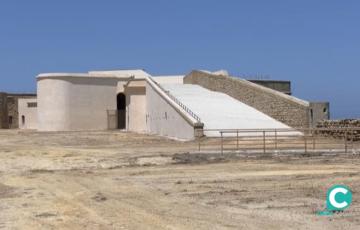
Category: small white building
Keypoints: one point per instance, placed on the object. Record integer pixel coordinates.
(28, 116)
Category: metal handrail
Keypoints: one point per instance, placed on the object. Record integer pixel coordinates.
(184, 107)
(309, 139)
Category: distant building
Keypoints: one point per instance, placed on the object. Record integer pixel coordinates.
(9, 109)
(281, 86)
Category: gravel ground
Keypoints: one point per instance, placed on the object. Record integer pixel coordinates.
(117, 180)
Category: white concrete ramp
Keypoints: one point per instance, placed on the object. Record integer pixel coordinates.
(220, 111)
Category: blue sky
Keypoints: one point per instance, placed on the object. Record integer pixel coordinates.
(315, 44)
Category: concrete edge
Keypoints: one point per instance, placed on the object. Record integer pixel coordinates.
(192, 121)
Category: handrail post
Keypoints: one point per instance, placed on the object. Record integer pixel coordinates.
(346, 144)
(275, 140)
(313, 139)
(264, 142)
(199, 144)
(352, 139)
(222, 144)
(237, 139)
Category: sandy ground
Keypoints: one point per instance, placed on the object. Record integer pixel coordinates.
(115, 180)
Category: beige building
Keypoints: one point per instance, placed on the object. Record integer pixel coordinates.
(133, 100)
(27, 108)
(102, 100)
(9, 109)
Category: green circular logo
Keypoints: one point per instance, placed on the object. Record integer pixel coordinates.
(339, 197)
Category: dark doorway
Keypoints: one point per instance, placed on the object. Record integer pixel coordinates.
(121, 110)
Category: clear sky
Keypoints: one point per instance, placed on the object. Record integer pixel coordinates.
(313, 43)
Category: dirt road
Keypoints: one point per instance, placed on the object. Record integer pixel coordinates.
(115, 180)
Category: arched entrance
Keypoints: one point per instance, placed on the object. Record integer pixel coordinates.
(121, 110)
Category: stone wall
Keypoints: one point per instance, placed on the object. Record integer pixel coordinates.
(12, 108)
(3, 111)
(284, 108)
(339, 128)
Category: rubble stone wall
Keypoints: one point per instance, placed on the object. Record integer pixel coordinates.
(3, 111)
(339, 128)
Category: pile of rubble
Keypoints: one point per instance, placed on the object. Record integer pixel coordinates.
(349, 128)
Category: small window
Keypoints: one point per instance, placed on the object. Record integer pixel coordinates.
(32, 105)
(10, 120)
(325, 110)
(23, 120)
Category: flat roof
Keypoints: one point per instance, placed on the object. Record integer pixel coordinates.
(137, 73)
(19, 94)
(71, 75)
(122, 74)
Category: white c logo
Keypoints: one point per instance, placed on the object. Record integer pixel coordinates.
(333, 200)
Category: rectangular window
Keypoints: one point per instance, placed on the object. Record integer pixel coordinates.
(32, 105)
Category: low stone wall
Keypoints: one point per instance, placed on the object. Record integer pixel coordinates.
(339, 128)
(284, 108)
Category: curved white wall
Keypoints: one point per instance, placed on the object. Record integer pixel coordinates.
(53, 104)
(75, 103)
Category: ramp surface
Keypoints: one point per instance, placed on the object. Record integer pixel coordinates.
(220, 111)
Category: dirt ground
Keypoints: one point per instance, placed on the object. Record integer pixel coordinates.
(117, 180)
